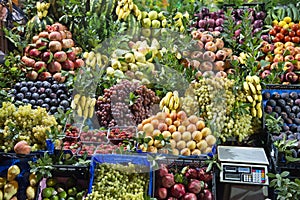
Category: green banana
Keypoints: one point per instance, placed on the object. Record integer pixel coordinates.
(279, 13)
(274, 15)
(295, 14)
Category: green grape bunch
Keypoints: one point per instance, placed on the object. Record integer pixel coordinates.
(24, 123)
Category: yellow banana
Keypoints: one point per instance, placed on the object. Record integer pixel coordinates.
(256, 79)
(118, 10)
(252, 88)
(259, 97)
(120, 14)
(76, 98)
(171, 103)
(253, 112)
(86, 113)
(47, 5)
(166, 110)
(175, 93)
(249, 98)
(82, 102)
(253, 104)
(256, 97)
(45, 13)
(249, 79)
(99, 59)
(162, 103)
(168, 97)
(38, 6)
(259, 113)
(73, 105)
(43, 4)
(258, 106)
(176, 104)
(258, 87)
(131, 6)
(40, 14)
(246, 86)
(91, 112)
(79, 111)
(125, 7)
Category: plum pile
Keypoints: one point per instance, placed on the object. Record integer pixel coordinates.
(187, 183)
(48, 94)
(213, 21)
(286, 105)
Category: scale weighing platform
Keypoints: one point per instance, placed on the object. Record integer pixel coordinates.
(243, 165)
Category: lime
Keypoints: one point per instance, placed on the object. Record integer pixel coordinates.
(55, 197)
(72, 191)
(62, 194)
(51, 182)
(47, 192)
(71, 198)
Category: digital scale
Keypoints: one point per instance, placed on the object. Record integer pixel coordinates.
(246, 165)
(243, 172)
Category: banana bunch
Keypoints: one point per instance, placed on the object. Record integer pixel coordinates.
(179, 21)
(125, 7)
(170, 102)
(93, 59)
(253, 89)
(42, 9)
(83, 105)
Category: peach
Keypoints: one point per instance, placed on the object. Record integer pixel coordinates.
(181, 128)
(209, 56)
(176, 136)
(211, 140)
(186, 136)
(196, 152)
(185, 152)
(202, 145)
(191, 128)
(200, 125)
(168, 121)
(197, 136)
(191, 145)
(181, 144)
(156, 132)
(172, 128)
(162, 127)
(175, 152)
(173, 143)
(166, 134)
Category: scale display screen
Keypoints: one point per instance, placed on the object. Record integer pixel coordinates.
(243, 173)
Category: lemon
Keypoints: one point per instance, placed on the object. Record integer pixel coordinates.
(62, 194)
(291, 24)
(275, 22)
(55, 197)
(281, 23)
(51, 182)
(286, 26)
(287, 19)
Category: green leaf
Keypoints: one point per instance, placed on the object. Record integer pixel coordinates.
(284, 174)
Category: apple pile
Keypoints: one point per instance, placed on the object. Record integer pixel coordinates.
(189, 183)
(122, 132)
(208, 53)
(51, 52)
(285, 53)
(71, 139)
(188, 135)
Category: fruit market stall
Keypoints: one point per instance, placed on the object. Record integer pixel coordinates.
(130, 99)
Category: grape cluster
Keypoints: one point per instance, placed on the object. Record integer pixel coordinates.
(47, 94)
(125, 104)
(221, 106)
(116, 181)
(24, 123)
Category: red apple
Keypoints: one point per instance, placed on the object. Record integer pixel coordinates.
(59, 78)
(274, 65)
(289, 44)
(196, 34)
(200, 45)
(32, 75)
(278, 50)
(228, 51)
(71, 56)
(197, 55)
(209, 56)
(291, 50)
(206, 66)
(220, 43)
(29, 62)
(44, 34)
(221, 74)
(195, 64)
(35, 38)
(210, 46)
(40, 65)
(278, 58)
(47, 57)
(269, 58)
(221, 55)
(60, 56)
(67, 65)
(44, 75)
(26, 50)
(297, 50)
(265, 73)
(79, 63)
(267, 48)
(54, 67)
(39, 43)
(297, 57)
(279, 44)
(289, 58)
(34, 53)
(288, 67)
(219, 66)
(207, 38)
(297, 65)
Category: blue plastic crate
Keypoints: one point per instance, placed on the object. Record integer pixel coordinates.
(119, 159)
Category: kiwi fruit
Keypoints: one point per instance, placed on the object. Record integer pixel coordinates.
(275, 95)
(266, 95)
(284, 95)
(277, 109)
(292, 116)
(289, 102)
(297, 102)
(271, 102)
(269, 109)
(284, 115)
(297, 121)
(288, 109)
(281, 102)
